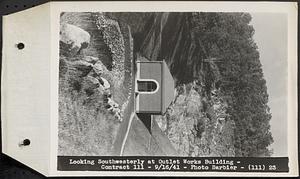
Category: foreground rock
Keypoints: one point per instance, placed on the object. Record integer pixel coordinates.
(73, 39)
(90, 102)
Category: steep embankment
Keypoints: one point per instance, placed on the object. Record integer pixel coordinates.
(220, 107)
(96, 90)
(95, 83)
(194, 123)
(218, 53)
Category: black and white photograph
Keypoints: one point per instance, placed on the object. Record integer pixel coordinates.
(194, 84)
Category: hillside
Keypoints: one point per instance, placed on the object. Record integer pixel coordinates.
(220, 107)
(217, 51)
(95, 83)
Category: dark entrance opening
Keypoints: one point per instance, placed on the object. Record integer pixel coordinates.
(146, 86)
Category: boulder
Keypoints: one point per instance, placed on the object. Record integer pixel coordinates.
(104, 83)
(91, 59)
(79, 68)
(99, 68)
(73, 39)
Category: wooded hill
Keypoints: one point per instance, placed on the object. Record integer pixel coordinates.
(229, 37)
(187, 42)
(220, 107)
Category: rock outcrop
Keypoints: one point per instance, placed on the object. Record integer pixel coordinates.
(96, 87)
(92, 94)
(194, 123)
(73, 38)
(197, 126)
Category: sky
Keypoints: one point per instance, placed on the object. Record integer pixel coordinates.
(271, 37)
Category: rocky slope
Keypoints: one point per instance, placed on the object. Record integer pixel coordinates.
(193, 123)
(96, 90)
(96, 79)
(95, 82)
(196, 125)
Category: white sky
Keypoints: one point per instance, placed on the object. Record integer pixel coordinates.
(271, 38)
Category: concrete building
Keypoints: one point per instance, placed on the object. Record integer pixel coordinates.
(154, 88)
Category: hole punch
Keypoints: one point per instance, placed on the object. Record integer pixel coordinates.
(25, 142)
(20, 46)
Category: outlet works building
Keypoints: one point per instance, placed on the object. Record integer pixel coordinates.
(154, 87)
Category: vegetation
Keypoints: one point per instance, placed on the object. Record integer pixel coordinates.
(92, 94)
(228, 37)
(218, 51)
(193, 126)
(221, 103)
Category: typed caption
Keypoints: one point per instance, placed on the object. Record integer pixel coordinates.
(210, 164)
